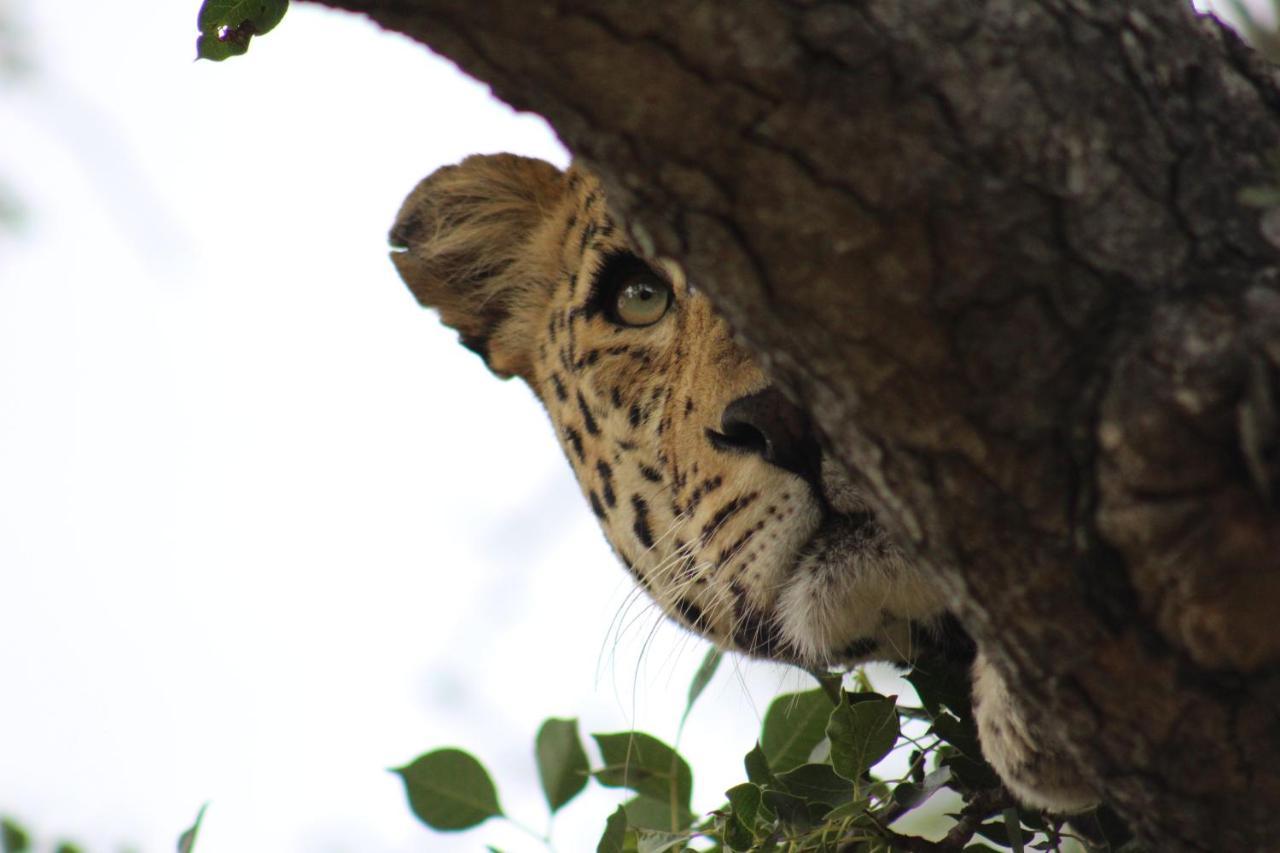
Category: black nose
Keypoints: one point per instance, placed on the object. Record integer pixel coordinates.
(769, 425)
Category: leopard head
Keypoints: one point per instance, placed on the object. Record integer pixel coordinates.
(711, 486)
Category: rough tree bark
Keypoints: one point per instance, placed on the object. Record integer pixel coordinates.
(996, 247)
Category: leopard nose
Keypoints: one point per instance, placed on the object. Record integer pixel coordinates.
(769, 425)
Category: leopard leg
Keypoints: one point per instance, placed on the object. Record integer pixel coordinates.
(1030, 760)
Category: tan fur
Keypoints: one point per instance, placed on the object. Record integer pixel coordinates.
(740, 550)
(483, 254)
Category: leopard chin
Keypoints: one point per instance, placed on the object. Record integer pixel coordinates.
(851, 595)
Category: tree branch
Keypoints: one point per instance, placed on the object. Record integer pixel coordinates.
(997, 250)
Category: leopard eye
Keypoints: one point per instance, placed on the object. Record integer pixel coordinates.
(642, 300)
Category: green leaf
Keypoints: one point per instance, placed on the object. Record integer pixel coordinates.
(744, 800)
(737, 836)
(13, 838)
(562, 762)
(861, 734)
(615, 832)
(744, 808)
(67, 847)
(701, 679)
(1014, 829)
(645, 812)
(651, 841)
(830, 682)
(646, 765)
(909, 795)
(959, 733)
(996, 831)
(226, 26)
(187, 840)
(854, 809)
(217, 49)
(758, 767)
(817, 783)
(794, 724)
(789, 808)
(449, 789)
(971, 775)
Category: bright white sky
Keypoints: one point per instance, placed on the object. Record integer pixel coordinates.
(265, 529)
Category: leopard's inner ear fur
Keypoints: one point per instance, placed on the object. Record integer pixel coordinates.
(467, 242)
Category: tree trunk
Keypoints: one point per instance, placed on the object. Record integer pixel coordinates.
(997, 248)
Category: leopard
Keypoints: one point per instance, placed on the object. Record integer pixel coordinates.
(712, 486)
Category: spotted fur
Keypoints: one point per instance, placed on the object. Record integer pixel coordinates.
(750, 538)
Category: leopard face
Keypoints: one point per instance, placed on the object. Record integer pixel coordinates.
(710, 485)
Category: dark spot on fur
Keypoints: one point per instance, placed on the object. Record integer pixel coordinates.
(692, 615)
(688, 406)
(635, 416)
(588, 421)
(642, 355)
(606, 476)
(756, 634)
(587, 234)
(595, 504)
(651, 474)
(727, 512)
(575, 440)
(703, 489)
(615, 397)
(641, 525)
(635, 571)
(558, 386)
(733, 548)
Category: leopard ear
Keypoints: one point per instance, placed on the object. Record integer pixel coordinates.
(474, 241)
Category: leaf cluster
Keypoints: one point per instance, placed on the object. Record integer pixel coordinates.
(809, 782)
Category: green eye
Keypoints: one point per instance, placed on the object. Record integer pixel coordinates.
(642, 301)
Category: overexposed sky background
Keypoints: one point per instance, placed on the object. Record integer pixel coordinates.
(266, 530)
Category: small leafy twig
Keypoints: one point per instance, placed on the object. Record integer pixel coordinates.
(981, 807)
